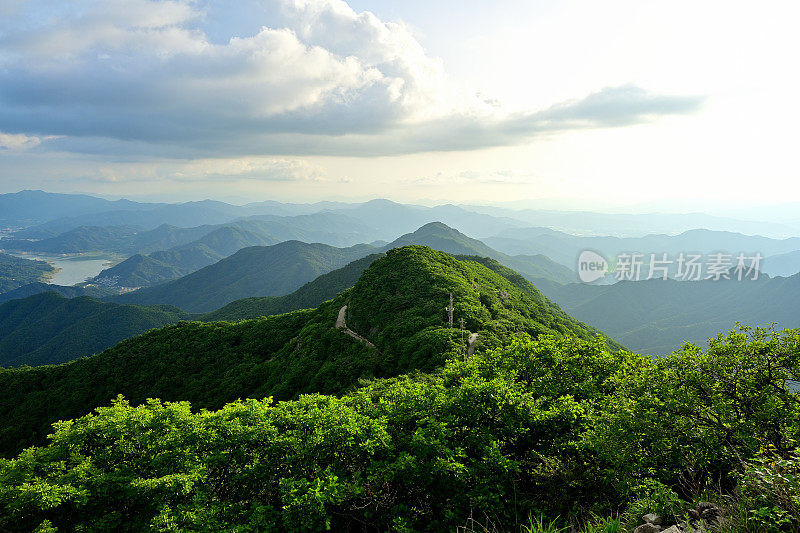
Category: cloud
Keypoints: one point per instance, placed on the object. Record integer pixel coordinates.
(158, 79)
(19, 142)
(256, 169)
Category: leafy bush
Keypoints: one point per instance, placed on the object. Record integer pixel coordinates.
(651, 496)
(510, 434)
(609, 524)
(768, 495)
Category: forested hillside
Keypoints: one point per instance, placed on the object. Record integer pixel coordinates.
(313, 293)
(441, 237)
(16, 272)
(45, 328)
(48, 328)
(397, 305)
(255, 271)
(39, 287)
(218, 242)
(658, 316)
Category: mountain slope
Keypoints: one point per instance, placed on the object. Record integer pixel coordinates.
(657, 316)
(30, 207)
(48, 328)
(16, 272)
(166, 265)
(67, 291)
(313, 293)
(80, 239)
(139, 271)
(397, 304)
(787, 264)
(441, 237)
(212, 243)
(256, 271)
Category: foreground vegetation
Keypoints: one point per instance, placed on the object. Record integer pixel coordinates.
(553, 429)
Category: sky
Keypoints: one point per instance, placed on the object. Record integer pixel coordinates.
(584, 104)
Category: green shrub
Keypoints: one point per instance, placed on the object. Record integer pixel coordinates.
(768, 495)
(652, 496)
(608, 524)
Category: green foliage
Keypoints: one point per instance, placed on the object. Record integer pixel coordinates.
(768, 495)
(609, 524)
(540, 524)
(652, 496)
(537, 428)
(313, 293)
(48, 328)
(423, 449)
(16, 272)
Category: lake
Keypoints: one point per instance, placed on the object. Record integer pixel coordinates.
(74, 268)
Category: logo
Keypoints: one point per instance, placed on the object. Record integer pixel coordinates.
(591, 266)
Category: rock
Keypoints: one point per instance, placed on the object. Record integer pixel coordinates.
(652, 518)
(702, 506)
(647, 528)
(693, 514)
(707, 510)
(673, 529)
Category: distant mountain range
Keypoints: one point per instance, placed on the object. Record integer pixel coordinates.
(657, 316)
(329, 228)
(256, 271)
(386, 219)
(27, 208)
(49, 214)
(564, 248)
(640, 224)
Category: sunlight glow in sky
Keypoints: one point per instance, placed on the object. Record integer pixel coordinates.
(588, 103)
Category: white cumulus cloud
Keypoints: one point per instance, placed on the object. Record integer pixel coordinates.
(154, 78)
